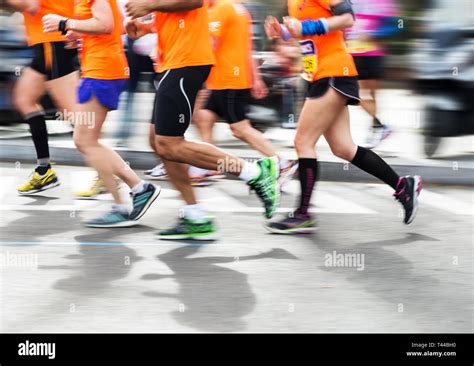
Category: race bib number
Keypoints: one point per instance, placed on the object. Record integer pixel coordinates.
(310, 59)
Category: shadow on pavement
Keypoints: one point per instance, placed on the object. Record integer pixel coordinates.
(213, 298)
(97, 266)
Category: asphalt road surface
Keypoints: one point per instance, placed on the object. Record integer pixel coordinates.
(363, 271)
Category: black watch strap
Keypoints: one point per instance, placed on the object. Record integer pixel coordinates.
(62, 26)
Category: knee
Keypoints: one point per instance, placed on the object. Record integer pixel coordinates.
(344, 152)
(21, 102)
(302, 144)
(166, 149)
(238, 132)
(82, 143)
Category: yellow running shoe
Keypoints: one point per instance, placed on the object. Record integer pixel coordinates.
(37, 183)
(95, 189)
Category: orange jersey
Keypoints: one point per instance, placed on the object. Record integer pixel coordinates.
(34, 23)
(323, 56)
(230, 24)
(183, 39)
(102, 56)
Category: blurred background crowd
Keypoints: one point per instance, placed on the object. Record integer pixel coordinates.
(427, 47)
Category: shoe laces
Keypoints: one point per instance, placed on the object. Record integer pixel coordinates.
(400, 191)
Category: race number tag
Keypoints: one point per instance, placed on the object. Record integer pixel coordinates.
(310, 59)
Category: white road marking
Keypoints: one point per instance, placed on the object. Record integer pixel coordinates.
(441, 201)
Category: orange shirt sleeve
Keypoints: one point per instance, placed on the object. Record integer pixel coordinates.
(219, 18)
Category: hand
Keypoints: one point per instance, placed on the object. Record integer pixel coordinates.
(71, 38)
(272, 27)
(294, 26)
(132, 29)
(51, 23)
(259, 89)
(33, 7)
(138, 8)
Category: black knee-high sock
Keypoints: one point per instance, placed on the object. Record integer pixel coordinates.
(39, 134)
(371, 163)
(308, 173)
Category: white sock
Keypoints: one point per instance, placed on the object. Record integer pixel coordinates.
(196, 172)
(249, 171)
(139, 188)
(123, 209)
(284, 163)
(194, 212)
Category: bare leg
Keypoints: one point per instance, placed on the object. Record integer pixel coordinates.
(339, 137)
(368, 102)
(244, 131)
(179, 176)
(106, 161)
(204, 120)
(28, 90)
(199, 154)
(316, 117)
(63, 91)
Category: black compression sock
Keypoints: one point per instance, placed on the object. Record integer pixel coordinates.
(308, 174)
(39, 134)
(373, 164)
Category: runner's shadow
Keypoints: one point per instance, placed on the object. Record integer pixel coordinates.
(100, 261)
(214, 298)
(395, 279)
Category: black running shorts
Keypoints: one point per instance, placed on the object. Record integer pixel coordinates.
(176, 91)
(369, 67)
(345, 85)
(53, 60)
(230, 104)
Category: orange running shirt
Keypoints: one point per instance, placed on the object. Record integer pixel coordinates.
(230, 24)
(183, 39)
(323, 56)
(34, 23)
(103, 56)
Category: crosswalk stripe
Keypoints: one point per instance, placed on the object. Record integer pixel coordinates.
(437, 200)
(326, 202)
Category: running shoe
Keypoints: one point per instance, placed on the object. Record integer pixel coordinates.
(191, 230)
(200, 182)
(110, 219)
(294, 223)
(214, 174)
(407, 192)
(288, 172)
(266, 185)
(97, 187)
(38, 183)
(379, 133)
(142, 201)
(157, 173)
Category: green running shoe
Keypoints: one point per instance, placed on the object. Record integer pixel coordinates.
(190, 229)
(266, 185)
(294, 223)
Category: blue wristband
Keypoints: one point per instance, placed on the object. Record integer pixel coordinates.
(314, 27)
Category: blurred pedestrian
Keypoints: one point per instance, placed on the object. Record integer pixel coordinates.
(332, 86)
(53, 70)
(375, 21)
(104, 70)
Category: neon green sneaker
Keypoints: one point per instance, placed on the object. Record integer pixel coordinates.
(190, 229)
(266, 185)
(37, 183)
